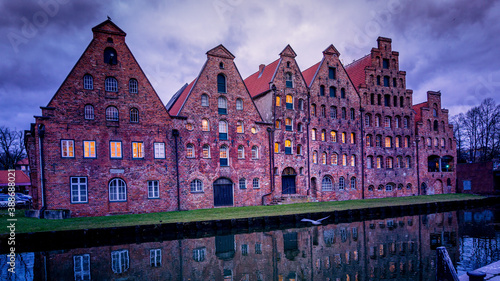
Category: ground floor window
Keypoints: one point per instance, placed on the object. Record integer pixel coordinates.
(153, 189)
(79, 190)
(155, 257)
(117, 190)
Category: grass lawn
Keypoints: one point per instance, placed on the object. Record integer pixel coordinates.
(24, 224)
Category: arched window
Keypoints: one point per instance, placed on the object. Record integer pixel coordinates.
(117, 190)
(196, 186)
(313, 134)
(401, 99)
(344, 114)
(242, 183)
(370, 188)
(111, 85)
(204, 100)
(134, 115)
(342, 93)
(368, 120)
(326, 184)
(323, 158)
(289, 101)
(222, 105)
(206, 151)
(388, 142)
(223, 156)
(205, 125)
(378, 141)
(239, 104)
(221, 83)
(323, 111)
(335, 159)
(377, 120)
(398, 122)
(368, 140)
(408, 186)
(255, 152)
(333, 136)
(372, 99)
(443, 145)
(353, 138)
(341, 183)
(369, 162)
(288, 124)
(89, 112)
(353, 160)
(321, 90)
(301, 104)
(333, 92)
(133, 87)
(241, 152)
(406, 122)
(333, 112)
(315, 157)
(399, 162)
(353, 183)
(222, 130)
(379, 162)
(344, 159)
(111, 113)
(255, 183)
(313, 109)
(389, 163)
(323, 135)
(278, 101)
(407, 141)
(190, 150)
(289, 80)
(88, 82)
(110, 56)
(239, 127)
(436, 125)
(299, 127)
(288, 147)
(353, 114)
(343, 137)
(387, 122)
(299, 149)
(277, 124)
(397, 141)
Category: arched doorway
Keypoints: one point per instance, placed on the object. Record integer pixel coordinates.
(424, 189)
(223, 192)
(288, 181)
(438, 186)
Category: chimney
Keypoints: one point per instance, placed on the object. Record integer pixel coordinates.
(261, 68)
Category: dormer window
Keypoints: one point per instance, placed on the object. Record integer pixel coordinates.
(110, 56)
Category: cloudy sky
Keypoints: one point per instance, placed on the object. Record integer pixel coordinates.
(446, 45)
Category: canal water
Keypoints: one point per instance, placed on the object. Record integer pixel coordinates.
(401, 248)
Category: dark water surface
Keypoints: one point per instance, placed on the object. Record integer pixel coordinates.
(400, 248)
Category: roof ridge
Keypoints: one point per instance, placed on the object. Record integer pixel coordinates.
(355, 61)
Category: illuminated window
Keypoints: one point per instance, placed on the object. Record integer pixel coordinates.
(67, 148)
(89, 149)
(353, 160)
(278, 101)
(323, 135)
(353, 138)
(205, 125)
(239, 127)
(223, 156)
(388, 142)
(288, 124)
(190, 151)
(315, 157)
(288, 147)
(379, 162)
(206, 151)
(368, 140)
(289, 101)
(343, 137)
(115, 148)
(333, 135)
(344, 159)
(276, 147)
(335, 159)
(313, 134)
(313, 110)
(323, 158)
(241, 152)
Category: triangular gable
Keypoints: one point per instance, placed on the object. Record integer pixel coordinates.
(288, 52)
(331, 50)
(258, 82)
(109, 27)
(221, 51)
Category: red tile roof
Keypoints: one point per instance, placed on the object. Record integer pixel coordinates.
(176, 107)
(417, 108)
(356, 70)
(21, 178)
(258, 82)
(310, 73)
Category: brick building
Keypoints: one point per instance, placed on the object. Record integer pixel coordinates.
(106, 144)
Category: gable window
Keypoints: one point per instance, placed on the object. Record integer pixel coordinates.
(386, 81)
(155, 257)
(190, 150)
(239, 104)
(222, 130)
(326, 184)
(333, 112)
(241, 152)
(301, 104)
(313, 134)
(333, 92)
(288, 147)
(289, 80)
(323, 158)
(196, 186)
(315, 157)
(205, 125)
(342, 93)
(81, 267)
(276, 147)
(110, 56)
(137, 150)
(111, 84)
(89, 112)
(67, 148)
(222, 105)
(153, 189)
(255, 183)
(79, 190)
(333, 135)
(242, 183)
(221, 83)
(239, 127)
(278, 101)
(133, 86)
(204, 100)
(289, 101)
(321, 90)
(224, 162)
(206, 151)
(387, 122)
(255, 152)
(159, 148)
(117, 190)
(299, 149)
(134, 115)
(385, 63)
(288, 124)
(89, 149)
(88, 82)
(331, 72)
(115, 149)
(344, 114)
(335, 159)
(111, 113)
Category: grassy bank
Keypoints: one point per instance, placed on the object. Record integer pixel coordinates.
(24, 224)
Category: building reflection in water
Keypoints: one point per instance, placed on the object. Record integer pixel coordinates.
(399, 248)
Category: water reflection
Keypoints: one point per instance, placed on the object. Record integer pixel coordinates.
(398, 248)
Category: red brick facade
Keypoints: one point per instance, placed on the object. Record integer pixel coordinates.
(105, 143)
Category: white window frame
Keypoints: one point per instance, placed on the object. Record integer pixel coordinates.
(256, 183)
(133, 86)
(89, 112)
(89, 149)
(255, 152)
(119, 192)
(116, 150)
(239, 104)
(79, 190)
(242, 183)
(120, 261)
(159, 148)
(111, 84)
(137, 150)
(88, 82)
(196, 186)
(81, 267)
(153, 189)
(155, 257)
(67, 148)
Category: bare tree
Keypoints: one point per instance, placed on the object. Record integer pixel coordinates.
(11, 148)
